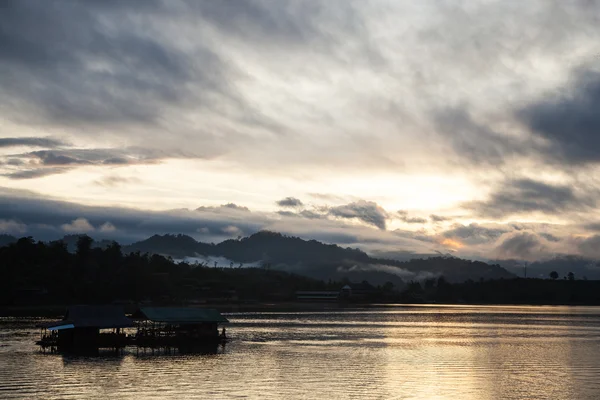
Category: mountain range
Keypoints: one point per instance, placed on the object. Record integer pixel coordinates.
(305, 257)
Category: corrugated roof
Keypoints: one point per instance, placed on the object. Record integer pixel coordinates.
(102, 317)
(180, 315)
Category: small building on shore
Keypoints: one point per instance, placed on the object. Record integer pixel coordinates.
(87, 328)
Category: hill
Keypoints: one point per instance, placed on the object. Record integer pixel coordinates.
(319, 260)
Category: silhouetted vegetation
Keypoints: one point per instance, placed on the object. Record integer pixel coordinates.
(37, 272)
(48, 273)
(506, 291)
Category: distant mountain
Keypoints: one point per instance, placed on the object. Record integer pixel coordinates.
(276, 248)
(563, 264)
(176, 246)
(319, 260)
(7, 239)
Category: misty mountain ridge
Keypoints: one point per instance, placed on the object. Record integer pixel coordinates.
(307, 257)
(319, 260)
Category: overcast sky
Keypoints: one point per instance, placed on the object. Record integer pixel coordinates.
(431, 126)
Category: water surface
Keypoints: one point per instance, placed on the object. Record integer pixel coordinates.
(420, 352)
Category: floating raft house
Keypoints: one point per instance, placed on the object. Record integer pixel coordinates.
(87, 327)
(178, 326)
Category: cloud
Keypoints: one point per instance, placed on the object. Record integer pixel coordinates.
(439, 218)
(474, 233)
(50, 162)
(231, 79)
(99, 72)
(94, 156)
(34, 173)
(390, 269)
(79, 225)
(270, 87)
(115, 180)
(235, 207)
(12, 227)
(31, 141)
(523, 246)
(521, 196)
(311, 214)
(107, 227)
(232, 230)
(568, 120)
(49, 219)
(477, 143)
(51, 158)
(290, 202)
(403, 215)
(224, 208)
(366, 211)
(590, 246)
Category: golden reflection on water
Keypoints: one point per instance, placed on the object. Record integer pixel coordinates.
(445, 352)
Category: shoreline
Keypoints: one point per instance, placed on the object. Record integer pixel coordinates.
(57, 310)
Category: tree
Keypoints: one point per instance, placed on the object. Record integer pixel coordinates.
(387, 287)
(571, 276)
(554, 275)
(84, 245)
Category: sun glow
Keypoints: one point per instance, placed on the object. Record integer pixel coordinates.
(452, 243)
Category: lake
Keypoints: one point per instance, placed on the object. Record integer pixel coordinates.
(395, 352)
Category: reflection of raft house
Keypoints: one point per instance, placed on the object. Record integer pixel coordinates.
(177, 327)
(87, 328)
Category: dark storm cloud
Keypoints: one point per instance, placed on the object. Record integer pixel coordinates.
(290, 202)
(94, 62)
(32, 141)
(526, 195)
(569, 120)
(366, 211)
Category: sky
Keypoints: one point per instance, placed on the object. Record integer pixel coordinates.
(398, 127)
